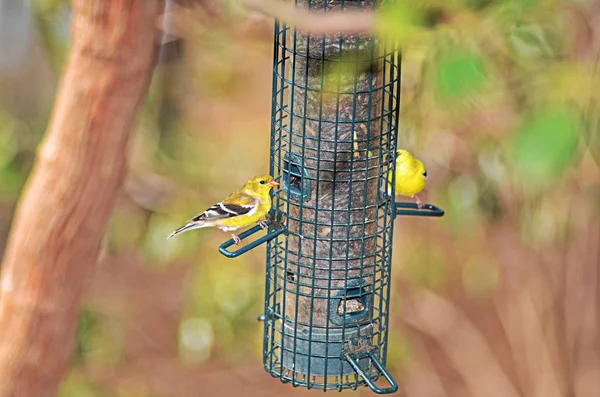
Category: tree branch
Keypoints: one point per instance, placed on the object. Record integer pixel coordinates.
(71, 192)
(334, 22)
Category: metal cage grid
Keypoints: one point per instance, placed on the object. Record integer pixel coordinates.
(334, 131)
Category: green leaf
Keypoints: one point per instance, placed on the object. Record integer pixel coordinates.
(459, 74)
(86, 324)
(398, 19)
(529, 41)
(545, 146)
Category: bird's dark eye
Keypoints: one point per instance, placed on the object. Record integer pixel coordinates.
(425, 173)
(262, 182)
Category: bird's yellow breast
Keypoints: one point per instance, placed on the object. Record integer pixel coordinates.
(410, 178)
(409, 185)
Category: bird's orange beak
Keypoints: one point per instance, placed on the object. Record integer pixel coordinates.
(272, 183)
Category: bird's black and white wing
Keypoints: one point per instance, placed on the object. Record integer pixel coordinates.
(222, 210)
(245, 205)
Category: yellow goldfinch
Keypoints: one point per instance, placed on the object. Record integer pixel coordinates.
(410, 176)
(250, 204)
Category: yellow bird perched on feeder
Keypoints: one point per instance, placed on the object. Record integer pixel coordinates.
(410, 176)
(248, 205)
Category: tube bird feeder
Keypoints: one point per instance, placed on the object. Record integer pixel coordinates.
(333, 142)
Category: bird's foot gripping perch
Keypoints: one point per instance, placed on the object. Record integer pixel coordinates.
(236, 239)
(420, 204)
(277, 228)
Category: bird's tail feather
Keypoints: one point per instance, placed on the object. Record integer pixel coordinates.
(189, 226)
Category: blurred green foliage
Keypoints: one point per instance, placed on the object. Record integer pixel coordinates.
(459, 73)
(545, 145)
(86, 323)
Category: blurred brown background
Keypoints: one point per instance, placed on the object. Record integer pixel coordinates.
(499, 298)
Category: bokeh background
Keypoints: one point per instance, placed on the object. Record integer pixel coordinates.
(499, 298)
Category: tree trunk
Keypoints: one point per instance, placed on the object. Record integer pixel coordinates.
(71, 192)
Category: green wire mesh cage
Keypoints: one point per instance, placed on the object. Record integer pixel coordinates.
(334, 128)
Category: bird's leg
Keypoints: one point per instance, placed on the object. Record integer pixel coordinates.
(236, 239)
(263, 224)
(419, 202)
